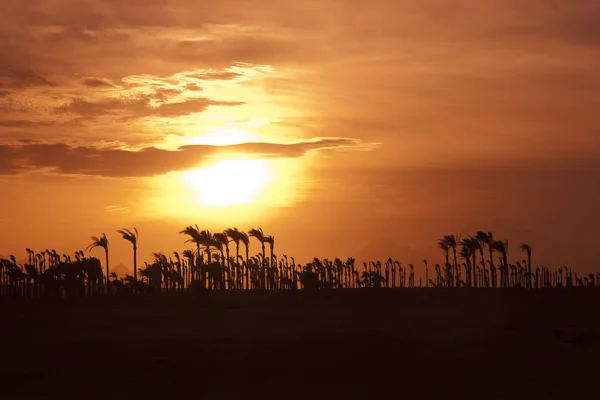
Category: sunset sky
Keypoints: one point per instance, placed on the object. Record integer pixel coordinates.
(343, 128)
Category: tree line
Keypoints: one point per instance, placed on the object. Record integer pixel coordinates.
(222, 261)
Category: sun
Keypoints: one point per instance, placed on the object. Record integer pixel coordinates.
(229, 182)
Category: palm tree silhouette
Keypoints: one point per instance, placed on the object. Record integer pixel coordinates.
(158, 272)
(527, 250)
(102, 242)
(486, 239)
(84, 276)
(191, 261)
(207, 239)
(452, 241)
(236, 237)
(474, 246)
(245, 239)
(132, 237)
(501, 247)
(221, 242)
(271, 241)
(259, 235)
(442, 244)
(179, 270)
(466, 253)
(194, 233)
(30, 254)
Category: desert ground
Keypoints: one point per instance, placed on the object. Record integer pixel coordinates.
(423, 343)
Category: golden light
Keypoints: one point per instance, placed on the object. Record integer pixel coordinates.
(229, 182)
(231, 191)
(235, 188)
(223, 136)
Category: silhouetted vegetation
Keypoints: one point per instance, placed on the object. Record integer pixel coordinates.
(210, 265)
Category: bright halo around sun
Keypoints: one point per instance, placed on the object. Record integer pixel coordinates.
(229, 182)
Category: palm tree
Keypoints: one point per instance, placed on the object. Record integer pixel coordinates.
(442, 244)
(260, 236)
(132, 237)
(486, 239)
(41, 268)
(177, 264)
(191, 261)
(30, 254)
(467, 252)
(474, 246)
(271, 241)
(525, 248)
(452, 241)
(207, 239)
(159, 268)
(221, 242)
(501, 247)
(102, 242)
(245, 239)
(194, 233)
(236, 237)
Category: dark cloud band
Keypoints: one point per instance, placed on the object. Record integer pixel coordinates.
(116, 162)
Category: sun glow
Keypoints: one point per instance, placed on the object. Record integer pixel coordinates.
(223, 136)
(229, 182)
(228, 191)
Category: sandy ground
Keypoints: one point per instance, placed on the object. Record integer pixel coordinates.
(424, 343)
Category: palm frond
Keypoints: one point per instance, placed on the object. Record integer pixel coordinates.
(101, 241)
(270, 240)
(129, 235)
(258, 234)
(525, 248)
(245, 239)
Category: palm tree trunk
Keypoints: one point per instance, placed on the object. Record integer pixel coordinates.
(223, 273)
(472, 282)
(237, 266)
(505, 262)
(200, 266)
(529, 270)
(272, 281)
(107, 275)
(263, 269)
(491, 256)
(134, 270)
(247, 268)
(456, 272)
(231, 277)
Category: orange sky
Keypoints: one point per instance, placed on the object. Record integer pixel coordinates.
(365, 129)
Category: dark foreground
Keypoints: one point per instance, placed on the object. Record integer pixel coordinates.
(422, 343)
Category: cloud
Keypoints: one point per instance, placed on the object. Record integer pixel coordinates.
(259, 49)
(149, 161)
(575, 23)
(193, 87)
(97, 83)
(117, 209)
(214, 75)
(25, 124)
(139, 107)
(20, 77)
(7, 162)
(445, 69)
(94, 105)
